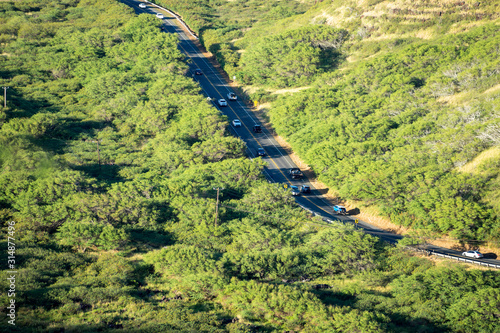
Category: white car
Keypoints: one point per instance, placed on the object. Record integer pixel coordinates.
(142, 5)
(222, 102)
(473, 254)
(236, 123)
(159, 15)
(232, 96)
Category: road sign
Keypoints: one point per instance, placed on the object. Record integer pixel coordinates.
(356, 221)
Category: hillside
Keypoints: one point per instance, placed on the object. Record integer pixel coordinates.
(400, 96)
(110, 156)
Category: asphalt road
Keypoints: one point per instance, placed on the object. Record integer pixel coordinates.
(278, 161)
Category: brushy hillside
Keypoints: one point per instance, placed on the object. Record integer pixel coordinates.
(400, 96)
(108, 162)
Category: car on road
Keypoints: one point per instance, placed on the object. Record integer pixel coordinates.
(232, 96)
(257, 128)
(222, 102)
(339, 210)
(159, 15)
(236, 123)
(261, 152)
(198, 71)
(295, 173)
(142, 5)
(473, 254)
(295, 190)
(305, 189)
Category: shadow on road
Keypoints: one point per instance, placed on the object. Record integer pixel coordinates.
(490, 255)
(354, 211)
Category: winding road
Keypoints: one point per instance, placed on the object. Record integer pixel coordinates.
(278, 161)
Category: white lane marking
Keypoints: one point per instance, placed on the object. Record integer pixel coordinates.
(224, 84)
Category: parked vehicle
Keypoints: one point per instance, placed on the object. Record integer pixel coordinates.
(337, 209)
(295, 173)
(473, 254)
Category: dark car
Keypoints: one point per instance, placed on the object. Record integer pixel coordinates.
(261, 152)
(198, 71)
(295, 173)
(257, 129)
(305, 189)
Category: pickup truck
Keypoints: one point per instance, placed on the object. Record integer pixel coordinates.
(295, 173)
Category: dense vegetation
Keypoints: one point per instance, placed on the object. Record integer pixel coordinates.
(380, 133)
(402, 99)
(109, 159)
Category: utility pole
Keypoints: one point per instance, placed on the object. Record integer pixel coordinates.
(98, 155)
(217, 204)
(5, 96)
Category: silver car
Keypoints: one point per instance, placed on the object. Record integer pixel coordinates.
(295, 190)
(473, 254)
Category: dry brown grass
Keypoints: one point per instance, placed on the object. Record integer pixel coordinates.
(455, 99)
(290, 90)
(473, 166)
(444, 262)
(425, 33)
(492, 89)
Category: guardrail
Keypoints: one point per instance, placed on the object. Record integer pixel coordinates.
(176, 16)
(470, 261)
